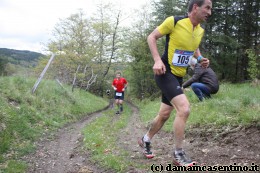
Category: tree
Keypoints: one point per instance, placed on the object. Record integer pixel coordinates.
(233, 28)
(166, 8)
(73, 45)
(140, 71)
(91, 42)
(109, 41)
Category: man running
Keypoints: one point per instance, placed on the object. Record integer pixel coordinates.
(183, 37)
(119, 84)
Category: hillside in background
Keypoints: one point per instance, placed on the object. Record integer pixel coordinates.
(24, 58)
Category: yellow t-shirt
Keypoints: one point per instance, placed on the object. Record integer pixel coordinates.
(181, 42)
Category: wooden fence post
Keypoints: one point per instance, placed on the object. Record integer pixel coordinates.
(42, 74)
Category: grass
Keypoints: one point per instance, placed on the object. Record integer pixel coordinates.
(233, 105)
(24, 117)
(101, 139)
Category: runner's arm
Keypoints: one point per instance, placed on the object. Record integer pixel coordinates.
(113, 86)
(159, 67)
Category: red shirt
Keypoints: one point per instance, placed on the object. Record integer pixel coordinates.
(119, 84)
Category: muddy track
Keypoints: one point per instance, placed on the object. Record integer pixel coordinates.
(64, 153)
(208, 146)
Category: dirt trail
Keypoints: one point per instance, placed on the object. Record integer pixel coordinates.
(64, 153)
(208, 146)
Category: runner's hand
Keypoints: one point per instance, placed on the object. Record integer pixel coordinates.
(204, 62)
(159, 68)
(115, 88)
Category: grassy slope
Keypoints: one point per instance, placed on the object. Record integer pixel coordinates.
(24, 117)
(233, 105)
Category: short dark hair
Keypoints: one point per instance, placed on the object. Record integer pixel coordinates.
(192, 2)
(118, 72)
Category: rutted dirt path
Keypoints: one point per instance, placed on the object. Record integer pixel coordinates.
(64, 153)
(210, 146)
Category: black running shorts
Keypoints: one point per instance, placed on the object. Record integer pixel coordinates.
(170, 86)
(119, 95)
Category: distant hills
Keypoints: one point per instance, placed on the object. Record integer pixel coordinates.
(20, 54)
(19, 57)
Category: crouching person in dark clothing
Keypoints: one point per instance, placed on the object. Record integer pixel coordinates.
(204, 81)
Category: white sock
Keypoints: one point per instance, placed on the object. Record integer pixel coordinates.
(146, 138)
(178, 150)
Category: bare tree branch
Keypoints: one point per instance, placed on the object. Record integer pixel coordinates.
(75, 77)
(113, 46)
(91, 80)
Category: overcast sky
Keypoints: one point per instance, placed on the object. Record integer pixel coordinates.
(28, 24)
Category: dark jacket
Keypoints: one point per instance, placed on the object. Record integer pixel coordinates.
(206, 76)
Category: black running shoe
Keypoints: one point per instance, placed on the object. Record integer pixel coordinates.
(147, 148)
(181, 159)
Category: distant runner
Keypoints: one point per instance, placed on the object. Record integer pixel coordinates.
(119, 84)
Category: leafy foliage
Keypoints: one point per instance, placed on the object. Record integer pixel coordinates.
(232, 29)
(140, 68)
(253, 69)
(165, 8)
(86, 43)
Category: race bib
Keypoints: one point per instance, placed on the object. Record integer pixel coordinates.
(118, 94)
(181, 58)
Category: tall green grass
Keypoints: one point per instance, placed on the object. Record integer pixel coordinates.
(101, 138)
(24, 116)
(234, 104)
